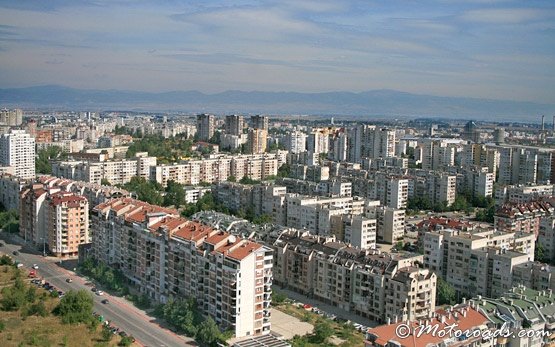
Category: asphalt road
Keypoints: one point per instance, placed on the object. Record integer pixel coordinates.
(119, 312)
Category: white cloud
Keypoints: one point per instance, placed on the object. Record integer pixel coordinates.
(504, 16)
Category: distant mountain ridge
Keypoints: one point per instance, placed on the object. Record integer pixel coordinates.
(376, 103)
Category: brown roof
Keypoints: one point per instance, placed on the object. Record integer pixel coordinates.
(244, 250)
(385, 333)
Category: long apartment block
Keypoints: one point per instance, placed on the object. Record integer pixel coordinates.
(368, 283)
(477, 263)
(168, 256)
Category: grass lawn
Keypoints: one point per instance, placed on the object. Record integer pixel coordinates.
(18, 330)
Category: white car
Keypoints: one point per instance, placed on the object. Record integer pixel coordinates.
(99, 292)
(35, 266)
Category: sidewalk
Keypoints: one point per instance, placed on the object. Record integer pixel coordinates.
(325, 307)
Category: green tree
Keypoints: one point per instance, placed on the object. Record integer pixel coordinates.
(278, 298)
(125, 341)
(539, 254)
(486, 215)
(9, 221)
(175, 194)
(445, 293)
(232, 179)
(284, 170)
(262, 219)
(44, 156)
(148, 191)
(13, 298)
(208, 332)
(107, 333)
(105, 182)
(322, 331)
(75, 307)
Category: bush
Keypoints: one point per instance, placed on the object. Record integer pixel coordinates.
(107, 333)
(75, 307)
(125, 341)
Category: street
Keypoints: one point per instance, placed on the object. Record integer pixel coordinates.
(119, 312)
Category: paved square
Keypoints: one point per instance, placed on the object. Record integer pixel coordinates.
(288, 326)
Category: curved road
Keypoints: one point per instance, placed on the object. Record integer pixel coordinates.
(119, 312)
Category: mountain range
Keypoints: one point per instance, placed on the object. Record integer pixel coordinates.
(370, 104)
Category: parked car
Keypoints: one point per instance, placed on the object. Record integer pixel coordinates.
(15, 253)
(35, 266)
(99, 292)
(69, 280)
(105, 301)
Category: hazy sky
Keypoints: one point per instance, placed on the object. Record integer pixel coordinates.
(478, 48)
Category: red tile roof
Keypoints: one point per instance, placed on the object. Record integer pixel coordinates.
(385, 333)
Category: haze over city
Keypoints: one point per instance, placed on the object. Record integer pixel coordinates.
(277, 173)
(486, 49)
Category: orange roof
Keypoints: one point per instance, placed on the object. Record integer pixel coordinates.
(64, 197)
(193, 231)
(473, 319)
(244, 250)
(217, 238)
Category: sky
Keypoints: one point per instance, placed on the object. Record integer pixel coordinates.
(473, 48)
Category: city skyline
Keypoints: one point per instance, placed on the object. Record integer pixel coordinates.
(430, 47)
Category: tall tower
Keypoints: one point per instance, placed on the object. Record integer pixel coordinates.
(17, 150)
(205, 126)
(234, 125)
(543, 123)
(259, 122)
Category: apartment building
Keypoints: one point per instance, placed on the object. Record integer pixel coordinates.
(217, 169)
(168, 256)
(11, 117)
(390, 190)
(315, 213)
(94, 193)
(534, 275)
(10, 186)
(318, 141)
(520, 194)
(257, 140)
(314, 173)
(53, 212)
(263, 199)
(17, 151)
(259, 122)
(479, 262)
(367, 283)
(67, 223)
(479, 155)
(67, 146)
(391, 223)
(234, 125)
(525, 165)
(115, 171)
(295, 141)
(206, 124)
(359, 231)
(438, 187)
(383, 163)
(436, 155)
(524, 217)
(478, 181)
